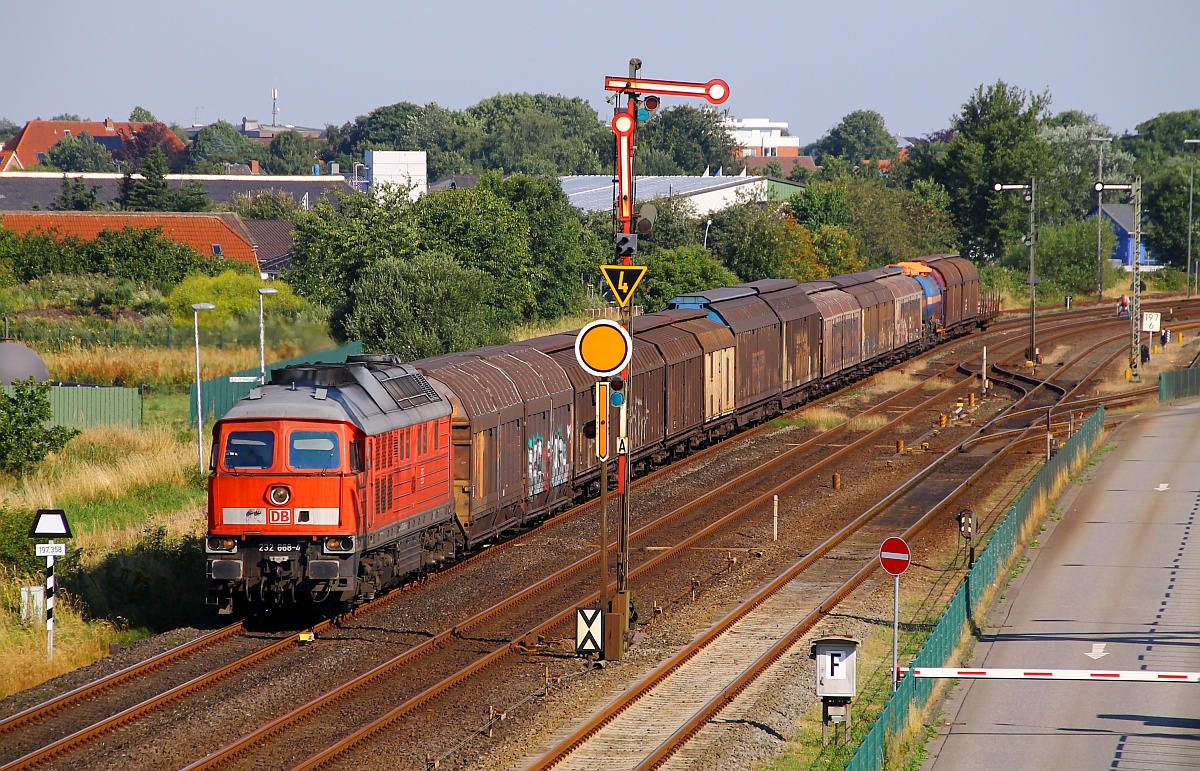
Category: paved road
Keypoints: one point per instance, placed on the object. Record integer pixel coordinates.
(1122, 570)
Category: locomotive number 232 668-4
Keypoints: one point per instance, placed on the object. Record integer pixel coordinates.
(279, 547)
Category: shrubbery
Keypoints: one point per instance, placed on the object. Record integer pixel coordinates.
(25, 439)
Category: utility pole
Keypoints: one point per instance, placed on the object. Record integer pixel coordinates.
(1191, 181)
(1100, 142)
(1135, 305)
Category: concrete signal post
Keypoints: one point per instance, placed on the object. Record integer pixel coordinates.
(642, 97)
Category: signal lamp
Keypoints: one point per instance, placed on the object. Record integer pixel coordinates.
(280, 495)
(589, 429)
(617, 383)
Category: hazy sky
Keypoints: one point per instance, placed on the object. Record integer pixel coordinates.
(804, 62)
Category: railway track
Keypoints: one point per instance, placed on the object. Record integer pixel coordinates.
(81, 738)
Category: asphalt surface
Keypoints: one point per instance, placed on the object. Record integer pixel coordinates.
(1121, 570)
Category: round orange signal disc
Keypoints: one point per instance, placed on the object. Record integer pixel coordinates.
(603, 348)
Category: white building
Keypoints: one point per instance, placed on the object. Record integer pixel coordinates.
(400, 168)
(762, 137)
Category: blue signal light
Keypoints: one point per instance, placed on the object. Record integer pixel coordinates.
(643, 114)
(617, 399)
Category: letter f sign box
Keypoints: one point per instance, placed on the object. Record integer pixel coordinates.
(836, 661)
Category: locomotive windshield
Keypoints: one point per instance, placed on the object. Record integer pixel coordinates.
(249, 450)
(314, 450)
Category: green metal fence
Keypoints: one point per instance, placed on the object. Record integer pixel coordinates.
(951, 629)
(221, 393)
(1178, 383)
(88, 407)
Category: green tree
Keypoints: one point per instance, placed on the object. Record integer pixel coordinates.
(142, 115)
(1165, 205)
(1162, 137)
(220, 143)
(1067, 194)
(151, 192)
(80, 153)
(773, 169)
(336, 241)
(748, 238)
(676, 271)
(677, 225)
(561, 251)
(820, 204)
(693, 139)
(860, 136)
(235, 293)
(69, 116)
(1066, 255)
(480, 229)
(75, 195)
(291, 152)
(422, 306)
(995, 140)
(265, 205)
(8, 130)
(25, 439)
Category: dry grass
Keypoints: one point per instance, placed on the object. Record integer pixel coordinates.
(889, 381)
(819, 418)
(133, 365)
(868, 422)
(23, 662)
(102, 463)
(545, 328)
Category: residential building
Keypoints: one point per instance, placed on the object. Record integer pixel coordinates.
(762, 137)
(1120, 216)
(217, 234)
(31, 144)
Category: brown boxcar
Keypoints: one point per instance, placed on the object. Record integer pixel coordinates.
(720, 366)
(683, 359)
(950, 279)
(970, 294)
(841, 327)
(800, 333)
(877, 312)
(549, 399)
(908, 299)
(487, 436)
(561, 350)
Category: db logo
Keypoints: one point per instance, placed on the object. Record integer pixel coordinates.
(279, 516)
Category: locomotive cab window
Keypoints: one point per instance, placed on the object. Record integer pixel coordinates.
(314, 450)
(249, 450)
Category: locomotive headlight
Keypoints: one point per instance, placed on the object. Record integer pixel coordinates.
(222, 545)
(339, 544)
(280, 495)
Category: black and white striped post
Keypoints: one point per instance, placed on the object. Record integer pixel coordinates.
(50, 603)
(50, 523)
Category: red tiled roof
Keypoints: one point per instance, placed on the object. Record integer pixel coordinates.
(201, 231)
(786, 162)
(38, 136)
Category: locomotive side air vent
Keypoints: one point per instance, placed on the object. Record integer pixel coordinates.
(411, 390)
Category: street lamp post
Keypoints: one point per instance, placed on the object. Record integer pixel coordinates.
(1100, 141)
(196, 308)
(262, 334)
(356, 166)
(1029, 191)
(1191, 180)
(707, 225)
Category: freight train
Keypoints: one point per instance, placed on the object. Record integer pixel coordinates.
(335, 481)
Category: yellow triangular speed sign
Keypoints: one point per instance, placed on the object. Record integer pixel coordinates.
(622, 280)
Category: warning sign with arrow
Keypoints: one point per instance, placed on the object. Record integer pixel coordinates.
(622, 280)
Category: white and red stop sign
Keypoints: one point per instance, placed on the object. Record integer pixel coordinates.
(894, 555)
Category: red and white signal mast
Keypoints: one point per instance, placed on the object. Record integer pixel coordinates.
(642, 97)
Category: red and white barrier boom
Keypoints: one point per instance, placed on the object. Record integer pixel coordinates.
(1050, 674)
